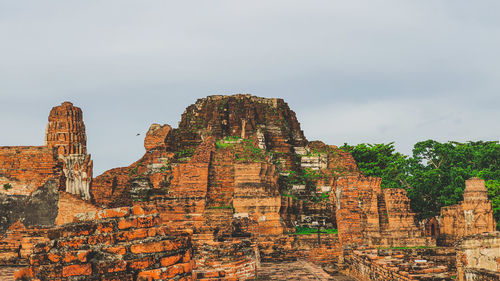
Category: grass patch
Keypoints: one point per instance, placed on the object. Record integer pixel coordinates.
(244, 150)
(405, 248)
(304, 230)
(185, 153)
(221, 207)
(289, 195)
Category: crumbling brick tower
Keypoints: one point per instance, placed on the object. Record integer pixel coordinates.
(472, 216)
(66, 135)
(66, 130)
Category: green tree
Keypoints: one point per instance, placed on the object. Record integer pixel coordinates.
(438, 171)
(493, 187)
(380, 160)
(434, 176)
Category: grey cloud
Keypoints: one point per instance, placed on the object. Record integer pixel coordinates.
(384, 70)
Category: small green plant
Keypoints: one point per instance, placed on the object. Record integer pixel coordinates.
(404, 248)
(7, 186)
(244, 150)
(226, 142)
(133, 171)
(289, 195)
(185, 153)
(188, 216)
(221, 207)
(223, 104)
(165, 167)
(321, 197)
(304, 230)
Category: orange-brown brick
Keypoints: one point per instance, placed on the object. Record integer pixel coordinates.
(77, 270)
(154, 247)
(114, 257)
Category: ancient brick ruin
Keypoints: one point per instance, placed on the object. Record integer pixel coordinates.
(232, 186)
(42, 186)
(66, 135)
(112, 244)
(472, 216)
(478, 257)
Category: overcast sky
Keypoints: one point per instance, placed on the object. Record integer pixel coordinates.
(353, 71)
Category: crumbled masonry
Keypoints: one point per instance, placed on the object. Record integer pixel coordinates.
(235, 184)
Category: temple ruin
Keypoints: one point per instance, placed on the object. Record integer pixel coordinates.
(232, 186)
(472, 216)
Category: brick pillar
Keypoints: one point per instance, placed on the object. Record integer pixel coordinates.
(66, 134)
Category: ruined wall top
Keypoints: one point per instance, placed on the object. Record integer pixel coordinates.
(66, 130)
(241, 115)
(475, 190)
(156, 136)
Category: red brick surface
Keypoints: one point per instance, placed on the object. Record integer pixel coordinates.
(121, 253)
(26, 168)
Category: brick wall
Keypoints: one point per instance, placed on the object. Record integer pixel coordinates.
(69, 205)
(472, 216)
(350, 193)
(307, 247)
(26, 168)
(431, 264)
(257, 196)
(66, 130)
(233, 259)
(18, 242)
(156, 136)
(368, 215)
(112, 244)
(478, 257)
(110, 188)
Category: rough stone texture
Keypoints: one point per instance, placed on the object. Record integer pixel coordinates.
(219, 174)
(256, 196)
(66, 135)
(194, 192)
(65, 131)
(138, 182)
(23, 169)
(7, 273)
(325, 250)
(311, 201)
(237, 171)
(77, 170)
(434, 264)
(270, 121)
(112, 244)
(156, 136)
(233, 259)
(39, 209)
(352, 196)
(110, 188)
(472, 216)
(26, 168)
(28, 219)
(431, 227)
(297, 270)
(478, 257)
(368, 215)
(18, 242)
(32, 177)
(69, 205)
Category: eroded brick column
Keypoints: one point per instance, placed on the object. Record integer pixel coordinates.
(66, 134)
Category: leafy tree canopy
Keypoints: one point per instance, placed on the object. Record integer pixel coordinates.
(434, 175)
